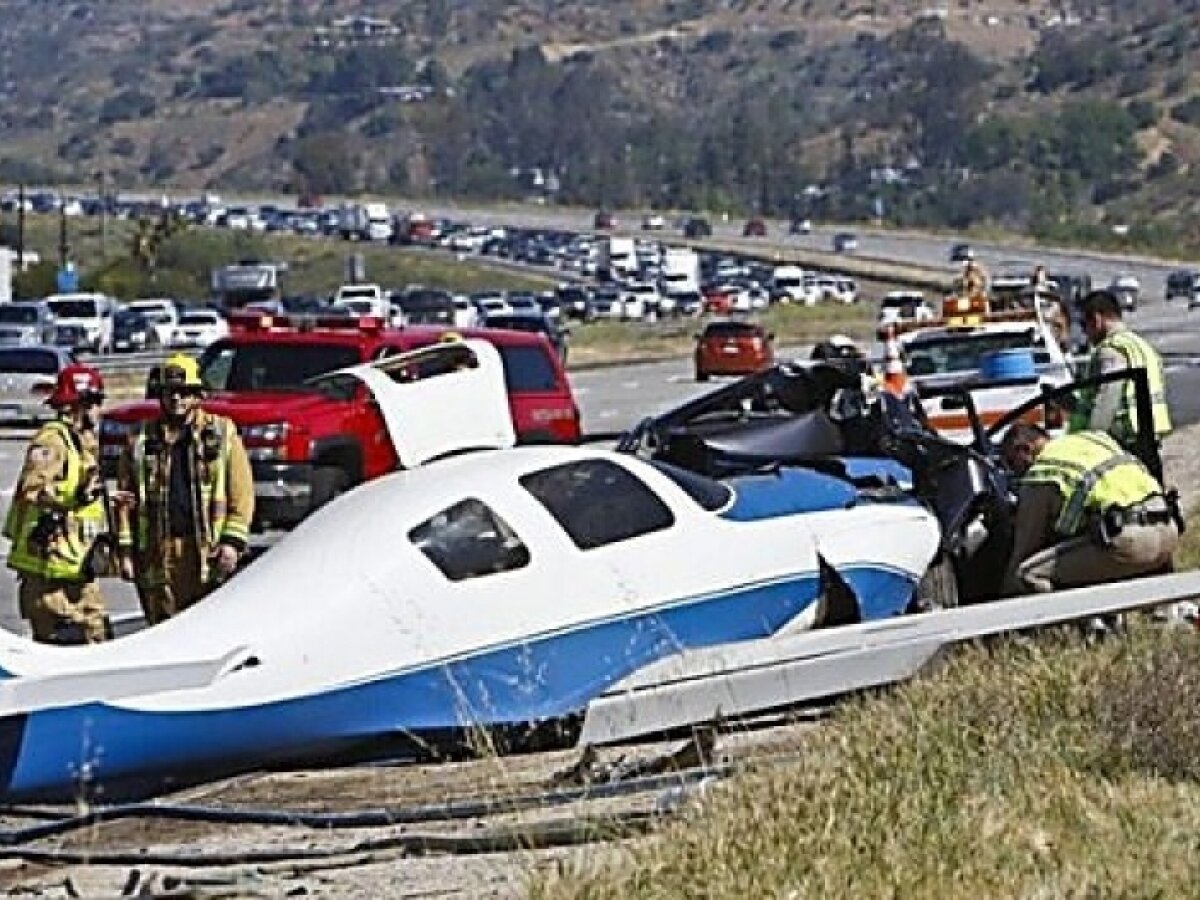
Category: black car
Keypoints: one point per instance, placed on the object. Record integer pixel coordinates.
(1183, 284)
(697, 227)
(845, 242)
(575, 302)
(425, 306)
(961, 253)
(132, 331)
(555, 333)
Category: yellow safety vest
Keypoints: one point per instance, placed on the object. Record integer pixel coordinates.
(1138, 354)
(1092, 473)
(63, 557)
(153, 488)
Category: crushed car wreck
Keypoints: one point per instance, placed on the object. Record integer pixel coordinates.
(828, 418)
(498, 589)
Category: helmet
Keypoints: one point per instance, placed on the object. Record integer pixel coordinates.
(77, 383)
(450, 337)
(180, 371)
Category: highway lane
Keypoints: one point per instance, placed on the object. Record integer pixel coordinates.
(893, 246)
(612, 399)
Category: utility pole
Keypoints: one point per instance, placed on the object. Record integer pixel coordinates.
(21, 228)
(64, 250)
(103, 201)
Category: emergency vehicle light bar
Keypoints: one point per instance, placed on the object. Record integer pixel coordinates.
(961, 320)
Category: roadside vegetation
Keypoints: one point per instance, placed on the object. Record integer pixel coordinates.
(1045, 769)
(791, 325)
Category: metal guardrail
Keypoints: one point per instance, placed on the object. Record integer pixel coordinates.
(113, 363)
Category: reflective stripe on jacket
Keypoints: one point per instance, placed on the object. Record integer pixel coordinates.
(1138, 354)
(1092, 473)
(62, 557)
(215, 448)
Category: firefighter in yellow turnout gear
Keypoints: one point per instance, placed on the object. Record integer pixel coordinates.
(1113, 408)
(57, 521)
(1088, 512)
(188, 498)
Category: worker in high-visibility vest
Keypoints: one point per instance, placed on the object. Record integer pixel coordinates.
(57, 521)
(1088, 512)
(1113, 407)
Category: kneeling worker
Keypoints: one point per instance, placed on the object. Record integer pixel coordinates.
(1088, 512)
(188, 497)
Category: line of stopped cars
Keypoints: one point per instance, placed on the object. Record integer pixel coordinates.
(500, 588)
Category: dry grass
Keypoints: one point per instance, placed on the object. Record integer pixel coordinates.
(1014, 771)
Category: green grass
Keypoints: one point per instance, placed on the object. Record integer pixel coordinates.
(791, 325)
(1051, 770)
(83, 237)
(317, 267)
(1187, 556)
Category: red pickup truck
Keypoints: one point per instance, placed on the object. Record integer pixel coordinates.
(307, 443)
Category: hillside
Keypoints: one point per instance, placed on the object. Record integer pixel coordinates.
(1011, 113)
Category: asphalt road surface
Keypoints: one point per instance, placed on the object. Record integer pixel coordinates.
(612, 399)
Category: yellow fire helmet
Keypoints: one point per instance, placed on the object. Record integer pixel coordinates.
(181, 371)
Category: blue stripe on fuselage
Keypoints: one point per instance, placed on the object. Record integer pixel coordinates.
(546, 676)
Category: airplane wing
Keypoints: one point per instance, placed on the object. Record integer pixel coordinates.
(39, 692)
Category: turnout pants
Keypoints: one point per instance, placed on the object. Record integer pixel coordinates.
(178, 583)
(56, 609)
(1080, 561)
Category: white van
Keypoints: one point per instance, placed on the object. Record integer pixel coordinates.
(93, 313)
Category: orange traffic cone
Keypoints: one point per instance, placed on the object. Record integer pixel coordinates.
(895, 379)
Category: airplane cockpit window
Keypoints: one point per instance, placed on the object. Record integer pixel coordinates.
(598, 502)
(468, 540)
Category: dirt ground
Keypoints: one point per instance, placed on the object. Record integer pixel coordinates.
(427, 842)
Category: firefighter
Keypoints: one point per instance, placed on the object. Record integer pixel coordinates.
(57, 521)
(973, 281)
(1088, 512)
(188, 495)
(1113, 406)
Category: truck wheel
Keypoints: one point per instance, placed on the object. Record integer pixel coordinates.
(937, 589)
(327, 483)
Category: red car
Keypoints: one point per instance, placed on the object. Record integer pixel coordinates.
(755, 228)
(728, 347)
(718, 299)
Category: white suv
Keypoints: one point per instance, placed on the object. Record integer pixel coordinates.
(93, 313)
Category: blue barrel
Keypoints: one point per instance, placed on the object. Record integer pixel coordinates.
(1008, 365)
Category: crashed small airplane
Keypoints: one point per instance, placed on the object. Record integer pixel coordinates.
(484, 587)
